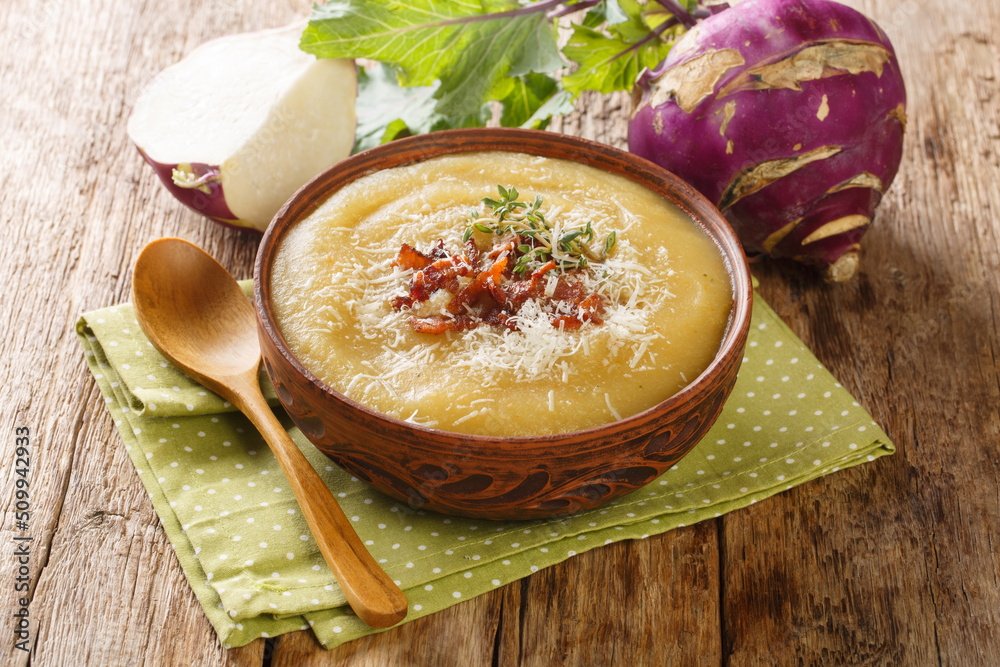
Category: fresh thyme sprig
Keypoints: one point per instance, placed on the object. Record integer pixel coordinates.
(572, 249)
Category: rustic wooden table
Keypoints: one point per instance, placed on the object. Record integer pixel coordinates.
(895, 562)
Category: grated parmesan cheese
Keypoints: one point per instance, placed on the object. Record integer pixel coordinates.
(614, 413)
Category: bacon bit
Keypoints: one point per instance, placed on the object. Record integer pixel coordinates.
(498, 317)
(438, 251)
(587, 310)
(520, 291)
(591, 307)
(505, 244)
(432, 276)
(444, 273)
(566, 322)
(411, 258)
(400, 302)
(437, 324)
(493, 287)
(494, 295)
(472, 252)
(543, 269)
(482, 282)
(568, 290)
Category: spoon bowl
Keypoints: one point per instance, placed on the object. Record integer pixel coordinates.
(197, 316)
(194, 311)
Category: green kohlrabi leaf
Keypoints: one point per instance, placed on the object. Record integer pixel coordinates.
(609, 62)
(387, 111)
(613, 12)
(469, 46)
(533, 99)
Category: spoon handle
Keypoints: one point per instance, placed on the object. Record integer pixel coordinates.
(372, 595)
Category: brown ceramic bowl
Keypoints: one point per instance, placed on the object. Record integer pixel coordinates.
(502, 478)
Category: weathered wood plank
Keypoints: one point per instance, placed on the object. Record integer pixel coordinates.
(896, 563)
(460, 635)
(77, 204)
(640, 602)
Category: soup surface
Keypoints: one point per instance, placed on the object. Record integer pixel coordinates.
(343, 298)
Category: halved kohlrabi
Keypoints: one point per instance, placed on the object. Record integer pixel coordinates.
(242, 122)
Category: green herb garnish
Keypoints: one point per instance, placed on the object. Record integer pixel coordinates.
(538, 243)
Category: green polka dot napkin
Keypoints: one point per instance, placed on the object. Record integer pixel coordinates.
(245, 548)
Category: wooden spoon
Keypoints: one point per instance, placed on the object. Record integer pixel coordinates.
(197, 316)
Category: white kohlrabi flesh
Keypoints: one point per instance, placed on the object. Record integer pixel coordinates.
(789, 116)
(236, 127)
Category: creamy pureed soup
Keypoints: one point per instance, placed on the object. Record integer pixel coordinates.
(339, 290)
